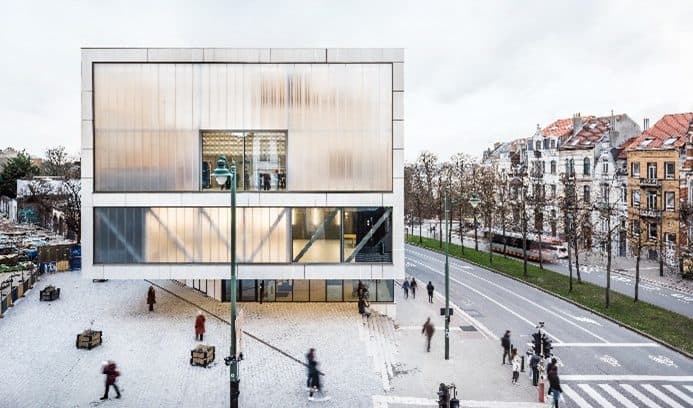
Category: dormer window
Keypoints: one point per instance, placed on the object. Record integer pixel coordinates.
(669, 141)
(645, 142)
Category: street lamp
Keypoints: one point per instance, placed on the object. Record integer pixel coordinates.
(474, 201)
(221, 174)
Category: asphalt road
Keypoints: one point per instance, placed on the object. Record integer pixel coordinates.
(650, 292)
(602, 363)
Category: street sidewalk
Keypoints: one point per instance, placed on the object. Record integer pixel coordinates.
(475, 356)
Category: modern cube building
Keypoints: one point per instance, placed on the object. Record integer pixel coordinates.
(317, 139)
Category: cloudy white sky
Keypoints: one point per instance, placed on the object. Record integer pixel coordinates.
(475, 71)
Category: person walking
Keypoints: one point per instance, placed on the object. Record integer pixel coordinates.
(151, 298)
(515, 359)
(262, 290)
(413, 286)
(109, 369)
(555, 386)
(505, 343)
(430, 289)
(361, 290)
(405, 287)
(315, 385)
(428, 331)
(364, 309)
(552, 365)
(199, 326)
(534, 365)
(310, 357)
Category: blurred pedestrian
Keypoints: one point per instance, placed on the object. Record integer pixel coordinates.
(151, 298)
(428, 331)
(405, 287)
(364, 309)
(413, 286)
(310, 357)
(109, 369)
(552, 365)
(515, 359)
(555, 387)
(262, 290)
(534, 365)
(505, 343)
(315, 385)
(361, 290)
(430, 289)
(199, 326)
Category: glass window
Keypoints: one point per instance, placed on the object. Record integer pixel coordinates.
(553, 166)
(260, 158)
(315, 234)
(351, 289)
(652, 200)
(652, 170)
(624, 193)
(605, 167)
(284, 291)
(652, 231)
(635, 169)
(669, 170)
(269, 290)
(246, 292)
(636, 198)
(538, 145)
(334, 290)
(385, 290)
(586, 193)
(367, 235)
(636, 228)
(317, 290)
(586, 167)
(301, 290)
(670, 200)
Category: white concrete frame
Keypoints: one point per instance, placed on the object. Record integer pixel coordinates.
(395, 199)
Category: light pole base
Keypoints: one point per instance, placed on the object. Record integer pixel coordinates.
(235, 392)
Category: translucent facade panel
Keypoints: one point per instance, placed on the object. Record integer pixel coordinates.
(317, 290)
(147, 119)
(284, 290)
(260, 158)
(334, 290)
(301, 290)
(351, 290)
(315, 234)
(189, 235)
(385, 290)
(367, 235)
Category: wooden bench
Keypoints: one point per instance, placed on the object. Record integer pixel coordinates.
(202, 355)
(89, 339)
(49, 293)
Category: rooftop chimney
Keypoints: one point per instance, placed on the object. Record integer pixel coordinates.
(645, 124)
(577, 122)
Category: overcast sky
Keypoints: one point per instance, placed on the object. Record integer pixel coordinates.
(475, 71)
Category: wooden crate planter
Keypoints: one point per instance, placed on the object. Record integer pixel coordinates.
(89, 339)
(50, 293)
(202, 355)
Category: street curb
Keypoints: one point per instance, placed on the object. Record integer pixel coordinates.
(627, 326)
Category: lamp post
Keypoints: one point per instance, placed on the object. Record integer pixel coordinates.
(474, 201)
(221, 174)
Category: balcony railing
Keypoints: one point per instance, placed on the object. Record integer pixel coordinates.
(650, 213)
(650, 182)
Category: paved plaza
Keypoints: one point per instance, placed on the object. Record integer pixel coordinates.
(379, 364)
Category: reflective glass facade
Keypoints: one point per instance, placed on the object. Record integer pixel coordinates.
(382, 290)
(125, 235)
(148, 118)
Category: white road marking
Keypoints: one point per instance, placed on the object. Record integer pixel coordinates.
(689, 387)
(606, 345)
(596, 396)
(538, 306)
(442, 328)
(610, 360)
(585, 320)
(575, 397)
(616, 377)
(637, 394)
(662, 396)
(620, 397)
(663, 360)
(385, 400)
(489, 299)
(680, 394)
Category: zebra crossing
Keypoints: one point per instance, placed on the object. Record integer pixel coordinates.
(628, 395)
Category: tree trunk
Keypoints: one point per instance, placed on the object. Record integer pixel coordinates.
(420, 224)
(461, 231)
(541, 258)
(476, 237)
(577, 260)
(637, 272)
(608, 259)
(490, 239)
(661, 250)
(570, 269)
(440, 232)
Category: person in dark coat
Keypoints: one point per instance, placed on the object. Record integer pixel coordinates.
(364, 309)
(151, 298)
(310, 357)
(413, 286)
(428, 330)
(262, 290)
(361, 290)
(314, 378)
(552, 365)
(109, 369)
(555, 386)
(505, 343)
(430, 289)
(199, 326)
(534, 365)
(405, 287)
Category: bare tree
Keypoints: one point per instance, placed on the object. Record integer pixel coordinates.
(636, 247)
(520, 184)
(606, 207)
(539, 201)
(57, 163)
(502, 204)
(429, 167)
(460, 164)
(572, 216)
(487, 182)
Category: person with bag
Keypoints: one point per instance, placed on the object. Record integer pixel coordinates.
(151, 298)
(515, 359)
(109, 369)
(199, 326)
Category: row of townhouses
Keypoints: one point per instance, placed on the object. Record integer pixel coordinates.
(642, 176)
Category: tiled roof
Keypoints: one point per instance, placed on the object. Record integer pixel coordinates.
(559, 128)
(591, 132)
(672, 131)
(625, 146)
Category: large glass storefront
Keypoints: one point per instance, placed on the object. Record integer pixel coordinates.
(309, 290)
(132, 235)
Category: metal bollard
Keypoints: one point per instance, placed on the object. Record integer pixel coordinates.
(522, 364)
